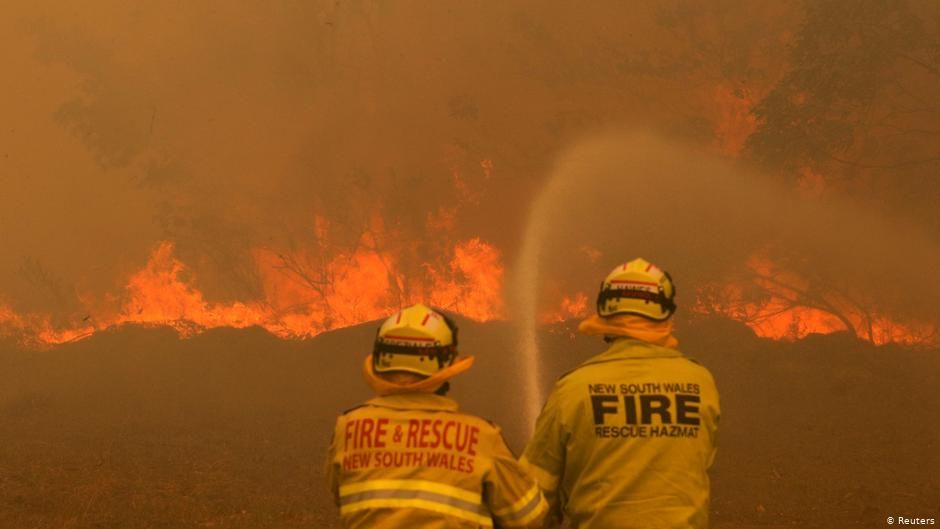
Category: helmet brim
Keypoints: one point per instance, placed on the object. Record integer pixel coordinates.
(426, 385)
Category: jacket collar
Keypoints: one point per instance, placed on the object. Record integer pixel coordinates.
(414, 401)
(629, 348)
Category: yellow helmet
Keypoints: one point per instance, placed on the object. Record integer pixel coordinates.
(637, 287)
(416, 340)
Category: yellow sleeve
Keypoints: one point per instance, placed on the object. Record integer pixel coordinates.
(511, 495)
(544, 456)
(713, 425)
(332, 470)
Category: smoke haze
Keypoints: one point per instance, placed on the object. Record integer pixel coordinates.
(243, 133)
(701, 217)
(236, 173)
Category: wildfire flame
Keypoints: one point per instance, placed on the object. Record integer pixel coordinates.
(364, 286)
(779, 320)
(776, 318)
(305, 291)
(784, 314)
(308, 291)
(781, 315)
(569, 308)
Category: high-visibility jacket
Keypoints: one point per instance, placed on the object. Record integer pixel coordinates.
(625, 440)
(412, 460)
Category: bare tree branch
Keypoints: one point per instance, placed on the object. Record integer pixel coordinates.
(803, 298)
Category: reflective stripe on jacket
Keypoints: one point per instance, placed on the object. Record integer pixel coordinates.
(412, 460)
(625, 440)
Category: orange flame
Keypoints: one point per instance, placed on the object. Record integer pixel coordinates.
(779, 320)
(473, 284)
(570, 307)
(782, 315)
(164, 292)
(305, 291)
(34, 329)
(360, 287)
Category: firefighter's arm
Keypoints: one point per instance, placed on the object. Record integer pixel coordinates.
(713, 429)
(711, 416)
(544, 456)
(512, 496)
(331, 469)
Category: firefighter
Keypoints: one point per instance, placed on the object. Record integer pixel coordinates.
(408, 458)
(625, 439)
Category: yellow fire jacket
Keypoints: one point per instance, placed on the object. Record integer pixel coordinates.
(411, 460)
(625, 440)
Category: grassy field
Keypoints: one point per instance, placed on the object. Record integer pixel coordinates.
(135, 428)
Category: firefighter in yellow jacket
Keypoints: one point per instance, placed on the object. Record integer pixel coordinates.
(625, 440)
(407, 458)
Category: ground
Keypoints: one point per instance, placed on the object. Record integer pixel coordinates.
(135, 428)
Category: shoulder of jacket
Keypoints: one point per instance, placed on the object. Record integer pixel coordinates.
(693, 360)
(696, 363)
(703, 370)
(567, 374)
(354, 408)
(481, 421)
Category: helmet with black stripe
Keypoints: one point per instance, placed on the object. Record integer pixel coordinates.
(416, 340)
(637, 287)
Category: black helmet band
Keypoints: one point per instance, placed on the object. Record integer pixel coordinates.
(659, 297)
